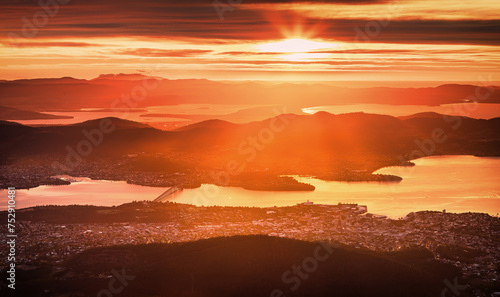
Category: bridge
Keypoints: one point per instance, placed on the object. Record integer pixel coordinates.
(164, 197)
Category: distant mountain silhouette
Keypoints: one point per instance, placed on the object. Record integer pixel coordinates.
(432, 115)
(52, 81)
(120, 76)
(338, 147)
(117, 123)
(13, 114)
(208, 124)
(102, 92)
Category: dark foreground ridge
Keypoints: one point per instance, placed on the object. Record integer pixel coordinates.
(242, 266)
(53, 235)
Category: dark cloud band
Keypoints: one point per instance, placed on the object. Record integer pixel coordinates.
(198, 19)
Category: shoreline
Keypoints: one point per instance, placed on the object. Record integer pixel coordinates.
(287, 196)
(311, 204)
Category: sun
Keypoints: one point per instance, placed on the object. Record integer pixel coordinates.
(295, 45)
(298, 49)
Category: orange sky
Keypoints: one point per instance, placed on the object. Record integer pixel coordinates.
(376, 40)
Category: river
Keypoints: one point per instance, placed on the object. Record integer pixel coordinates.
(454, 183)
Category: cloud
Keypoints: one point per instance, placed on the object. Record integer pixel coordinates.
(242, 53)
(51, 44)
(479, 32)
(199, 20)
(151, 52)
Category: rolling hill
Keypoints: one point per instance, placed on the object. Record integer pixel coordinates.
(245, 266)
(331, 147)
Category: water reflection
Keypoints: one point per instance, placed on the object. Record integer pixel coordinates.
(454, 183)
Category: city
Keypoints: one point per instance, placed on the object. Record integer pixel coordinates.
(469, 241)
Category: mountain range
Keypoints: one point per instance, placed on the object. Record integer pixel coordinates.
(331, 147)
(108, 91)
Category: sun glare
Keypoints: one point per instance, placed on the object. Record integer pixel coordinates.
(303, 56)
(295, 45)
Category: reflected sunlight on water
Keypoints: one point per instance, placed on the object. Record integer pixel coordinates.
(454, 183)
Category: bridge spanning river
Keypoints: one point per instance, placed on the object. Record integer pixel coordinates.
(167, 194)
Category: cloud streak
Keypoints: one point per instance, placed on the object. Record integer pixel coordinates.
(150, 52)
(178, 20)
(189, 36)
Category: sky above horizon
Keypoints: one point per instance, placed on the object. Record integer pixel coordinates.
(354, 40)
